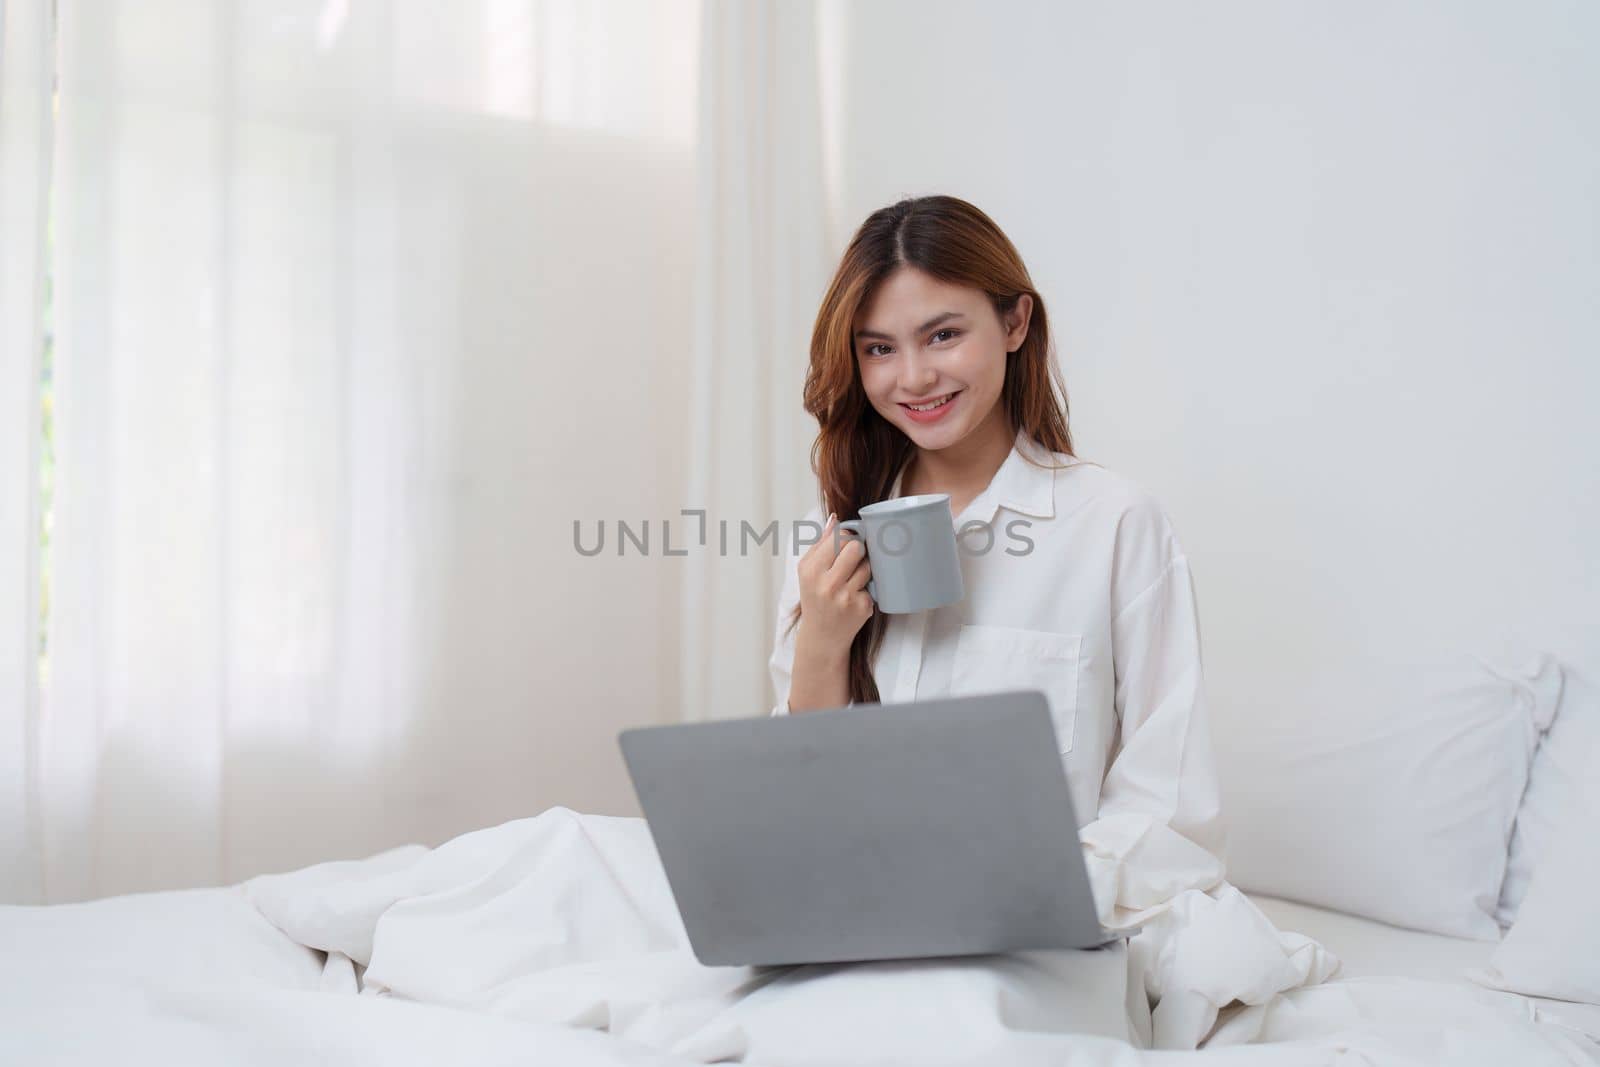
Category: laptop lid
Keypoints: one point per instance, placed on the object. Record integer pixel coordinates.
(934, 828)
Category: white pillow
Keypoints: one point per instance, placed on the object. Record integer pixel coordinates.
(1554, 949)
(1566, 759)
(1390, 791)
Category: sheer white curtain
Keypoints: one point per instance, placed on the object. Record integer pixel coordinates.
(25, 74)
(764, 261)
(361, 305)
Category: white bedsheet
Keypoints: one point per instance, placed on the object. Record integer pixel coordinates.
(527, 943)
(1371, 949)
(201, 938)
(1375, 950)
(568, 919)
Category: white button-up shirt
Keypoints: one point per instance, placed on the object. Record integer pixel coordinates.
(1100, 616)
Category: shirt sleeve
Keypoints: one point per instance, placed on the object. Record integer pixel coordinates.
(781, 663)
(1159, 827)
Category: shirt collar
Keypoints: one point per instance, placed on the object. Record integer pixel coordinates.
(1025, 483)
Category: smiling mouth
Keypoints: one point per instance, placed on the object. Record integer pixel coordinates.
(932, 405)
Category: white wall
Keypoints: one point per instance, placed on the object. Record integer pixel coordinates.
(1326, 278)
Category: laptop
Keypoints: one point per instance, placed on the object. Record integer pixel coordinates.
(881, 831)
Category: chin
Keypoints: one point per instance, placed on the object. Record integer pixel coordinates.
(933, 438)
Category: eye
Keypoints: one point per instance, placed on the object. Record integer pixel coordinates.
(870, 350)
(947, 330)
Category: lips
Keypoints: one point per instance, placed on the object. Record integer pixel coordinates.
(932, 409)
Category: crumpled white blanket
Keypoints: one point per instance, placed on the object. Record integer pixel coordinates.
(1202, 945)
(567, 918)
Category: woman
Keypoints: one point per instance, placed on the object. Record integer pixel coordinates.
(931, 372)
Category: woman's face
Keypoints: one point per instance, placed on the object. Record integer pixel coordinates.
(921, 342)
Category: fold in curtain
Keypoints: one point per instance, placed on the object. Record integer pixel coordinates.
(232, 589)
(762, 267)
(25, 88)
(360, 305)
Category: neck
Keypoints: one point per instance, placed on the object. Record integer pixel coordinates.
(966, 466)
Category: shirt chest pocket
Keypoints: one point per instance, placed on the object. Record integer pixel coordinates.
(989, 659)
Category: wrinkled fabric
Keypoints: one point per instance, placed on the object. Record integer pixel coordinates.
(492, 920)
(1200, 945)
(568, 919)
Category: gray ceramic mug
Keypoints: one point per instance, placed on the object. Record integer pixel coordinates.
(911, 547)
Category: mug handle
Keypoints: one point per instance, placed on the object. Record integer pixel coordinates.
(852, 528)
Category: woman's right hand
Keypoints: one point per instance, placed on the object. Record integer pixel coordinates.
(834, 602)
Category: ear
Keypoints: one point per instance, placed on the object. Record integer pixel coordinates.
(1016, 322)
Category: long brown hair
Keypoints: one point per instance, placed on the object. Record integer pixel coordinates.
(857, 453)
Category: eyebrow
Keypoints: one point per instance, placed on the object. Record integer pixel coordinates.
(924, 328)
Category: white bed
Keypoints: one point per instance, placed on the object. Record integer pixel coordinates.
(1371, 950)
(512, 946)
(554, 939)
(1378, 951)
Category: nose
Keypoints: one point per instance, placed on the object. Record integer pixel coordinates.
(917, 373)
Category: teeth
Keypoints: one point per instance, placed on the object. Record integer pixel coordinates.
(931, 404)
